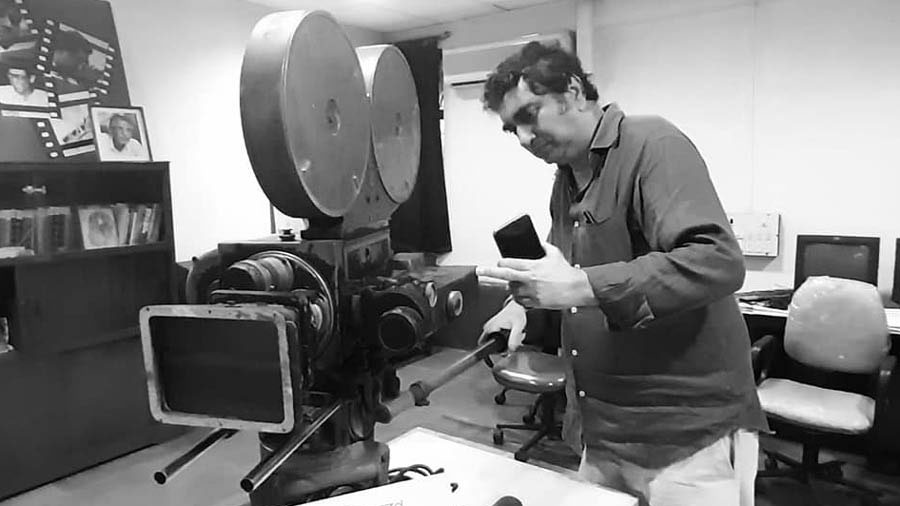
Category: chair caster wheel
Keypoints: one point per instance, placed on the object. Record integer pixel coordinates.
(528, 419)
(500, 398)
(521, 457)
(498, 437)
(770, 464)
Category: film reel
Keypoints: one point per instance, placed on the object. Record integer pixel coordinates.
(305, 114)
(396, 128)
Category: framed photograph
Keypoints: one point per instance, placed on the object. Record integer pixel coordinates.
(18, 32)
(25, 93)
(98, 227)
(120, 134)
(77, 61)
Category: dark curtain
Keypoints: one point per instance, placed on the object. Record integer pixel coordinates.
(421, 223)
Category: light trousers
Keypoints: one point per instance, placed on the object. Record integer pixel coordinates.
(721, 474)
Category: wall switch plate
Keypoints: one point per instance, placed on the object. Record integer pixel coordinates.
(757, 233)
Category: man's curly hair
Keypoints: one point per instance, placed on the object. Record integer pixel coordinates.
(546, 69)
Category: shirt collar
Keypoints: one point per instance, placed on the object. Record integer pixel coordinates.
(607, 132)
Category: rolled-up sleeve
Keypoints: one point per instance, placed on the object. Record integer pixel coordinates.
(695, 258)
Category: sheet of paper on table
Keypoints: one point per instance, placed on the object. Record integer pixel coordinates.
(485, 474)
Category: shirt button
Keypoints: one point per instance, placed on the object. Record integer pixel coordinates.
(573, 309)
(576, 224)
(581, 393)
(577, 266)
(574, 353)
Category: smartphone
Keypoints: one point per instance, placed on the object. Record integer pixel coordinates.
(517, 239)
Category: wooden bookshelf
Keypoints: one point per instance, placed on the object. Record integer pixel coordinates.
(74, 390)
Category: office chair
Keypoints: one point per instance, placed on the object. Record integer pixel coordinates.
(538, 373)
(828, 375)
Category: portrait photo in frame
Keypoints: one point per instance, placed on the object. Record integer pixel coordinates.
(120, 134)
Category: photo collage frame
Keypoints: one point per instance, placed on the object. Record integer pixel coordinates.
(53, 73)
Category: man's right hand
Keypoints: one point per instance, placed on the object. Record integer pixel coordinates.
(511, 317)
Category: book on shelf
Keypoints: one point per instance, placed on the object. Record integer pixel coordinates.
(137, 223)
(155, 224)
(54, 230)
(4, 335)
(122, 212)
(5, 226)
(17, 228)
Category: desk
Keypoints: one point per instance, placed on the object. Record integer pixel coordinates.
(486, 474)
(892, 314)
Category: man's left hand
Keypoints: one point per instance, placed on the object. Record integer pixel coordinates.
(549, 282)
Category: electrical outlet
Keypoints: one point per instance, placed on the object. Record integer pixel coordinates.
(757, 233)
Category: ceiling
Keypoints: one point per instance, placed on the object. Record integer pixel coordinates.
(395, 15)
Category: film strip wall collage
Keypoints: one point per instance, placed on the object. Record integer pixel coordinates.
(66, 71)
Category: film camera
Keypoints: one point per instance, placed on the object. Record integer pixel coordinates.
(298, 338)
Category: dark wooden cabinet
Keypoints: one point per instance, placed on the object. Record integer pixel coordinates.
(73, 391)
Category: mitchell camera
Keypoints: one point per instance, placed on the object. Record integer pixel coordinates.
(297, 338)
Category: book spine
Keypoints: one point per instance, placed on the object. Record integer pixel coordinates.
(136, 224)
(156, 223)
(22, 229)
(5, 227)
(122, 213)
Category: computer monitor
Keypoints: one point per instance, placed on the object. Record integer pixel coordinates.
(836, 256)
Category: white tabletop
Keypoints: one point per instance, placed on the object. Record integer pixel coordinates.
(485, 474)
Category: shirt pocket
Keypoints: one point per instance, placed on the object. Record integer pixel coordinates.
(604, 241)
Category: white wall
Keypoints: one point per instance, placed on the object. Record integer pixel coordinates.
(182, 60)
(489, 177)
(793, 103)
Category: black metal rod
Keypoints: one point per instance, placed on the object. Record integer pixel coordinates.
(418, 392)
(191, 455)
(460, 366)
(265, 468)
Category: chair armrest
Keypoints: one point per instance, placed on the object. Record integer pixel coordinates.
(882, 381)
(883, 436)
(762, 353)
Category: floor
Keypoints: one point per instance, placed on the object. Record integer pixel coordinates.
(464, 408)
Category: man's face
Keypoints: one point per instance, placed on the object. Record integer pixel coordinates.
(20, 81)
(121, 132)
(544, 124)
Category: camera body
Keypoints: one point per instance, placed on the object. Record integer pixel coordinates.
(299, 338)
(268, 351)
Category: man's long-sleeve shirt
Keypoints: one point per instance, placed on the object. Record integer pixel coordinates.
(661, 363)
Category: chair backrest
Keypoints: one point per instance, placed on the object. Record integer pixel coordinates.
(838, 325)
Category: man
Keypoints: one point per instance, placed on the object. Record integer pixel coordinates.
(21, 90)
(642, 263)
(71, 59)
(118, 143)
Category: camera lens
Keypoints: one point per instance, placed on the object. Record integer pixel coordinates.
(400, 329)
(267, 273)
